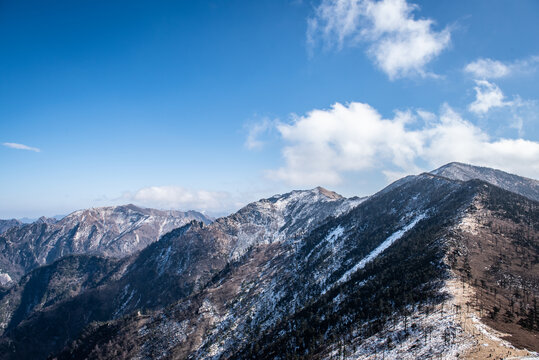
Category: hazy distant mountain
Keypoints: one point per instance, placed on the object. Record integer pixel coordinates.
(430, 267)
(111, 231)
(517, 184)
(27, 220)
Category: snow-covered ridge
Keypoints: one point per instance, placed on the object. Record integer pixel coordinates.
(285, 217)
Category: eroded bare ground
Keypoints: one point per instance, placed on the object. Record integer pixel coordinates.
(486, 342)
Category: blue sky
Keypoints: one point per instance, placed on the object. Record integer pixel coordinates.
(209, 105)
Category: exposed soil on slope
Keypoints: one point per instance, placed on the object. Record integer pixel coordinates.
(496, 252)
(488, 343)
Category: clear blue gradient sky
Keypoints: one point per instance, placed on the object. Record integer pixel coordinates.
(211, 104)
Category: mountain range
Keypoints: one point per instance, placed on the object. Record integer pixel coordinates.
(115, 231)
(444, 263)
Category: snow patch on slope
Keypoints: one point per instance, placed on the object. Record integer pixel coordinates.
(419, 336)
(334, 234)
(5, 279)
(163, 260)
(380, 249)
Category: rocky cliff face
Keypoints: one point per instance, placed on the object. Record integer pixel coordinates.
(110, 231)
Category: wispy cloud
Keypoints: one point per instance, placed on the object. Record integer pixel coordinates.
(255, 131)
(325, 145)
(21, 147)
(486, 68)
(399, 44)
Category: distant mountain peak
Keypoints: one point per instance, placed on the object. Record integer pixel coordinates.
(330, 194)
(317, 193)
(130, 207)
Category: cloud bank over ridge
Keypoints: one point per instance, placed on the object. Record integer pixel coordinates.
(323, 145)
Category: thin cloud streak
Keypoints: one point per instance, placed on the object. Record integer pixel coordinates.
(253, 141)
(21, 147)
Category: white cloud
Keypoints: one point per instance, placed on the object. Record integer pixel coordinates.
(399, 44)
(487, 69)
(176, 197)
(455, 139)
(324, 145)
(21, 147)
(493, 69)
(487, 96)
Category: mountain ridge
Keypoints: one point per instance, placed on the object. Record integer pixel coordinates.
(521, 185)
(306, 274)
(277, 283)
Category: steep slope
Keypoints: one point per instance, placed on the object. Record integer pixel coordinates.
(184, 261)
(394, 310)
(181, 262)
(283, 217)
(378, 279)
(495, 250)
(110, 231)
(514, 183)
(51, 284)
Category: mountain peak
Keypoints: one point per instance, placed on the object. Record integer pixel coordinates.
(465, 171)
(328, 193)
(514, 183)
